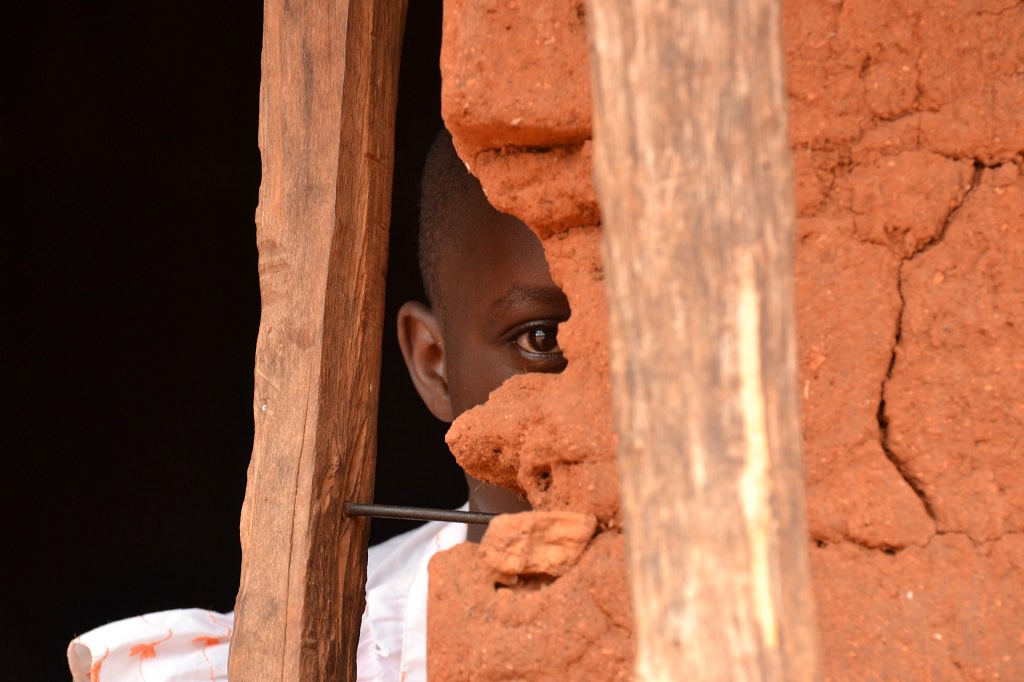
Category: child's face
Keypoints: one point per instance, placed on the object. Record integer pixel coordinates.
(498, 317)
(501, 309)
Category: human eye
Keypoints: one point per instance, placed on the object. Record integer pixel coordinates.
(542, 339)
(537, 344)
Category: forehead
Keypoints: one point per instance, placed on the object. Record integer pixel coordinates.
(483, 247)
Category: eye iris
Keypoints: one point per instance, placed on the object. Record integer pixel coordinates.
(543, 340)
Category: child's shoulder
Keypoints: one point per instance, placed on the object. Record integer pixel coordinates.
(167, 645)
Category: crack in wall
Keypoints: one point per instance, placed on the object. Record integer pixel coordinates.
(571, 146)
(1003, 10)
(982, 547)
(883, 417)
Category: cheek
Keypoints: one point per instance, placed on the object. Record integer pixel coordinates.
(475, 373)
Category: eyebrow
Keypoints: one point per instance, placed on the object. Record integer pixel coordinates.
(519, 295)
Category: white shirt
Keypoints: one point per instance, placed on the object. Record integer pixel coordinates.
(185, 645)
(393, 637)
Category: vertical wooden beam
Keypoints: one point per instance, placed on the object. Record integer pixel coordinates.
(327, 107)
(694, 178)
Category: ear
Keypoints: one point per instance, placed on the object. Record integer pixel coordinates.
(419, 335)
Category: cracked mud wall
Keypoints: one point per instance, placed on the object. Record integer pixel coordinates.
(516, 98)
(907, 125)
(907, 131)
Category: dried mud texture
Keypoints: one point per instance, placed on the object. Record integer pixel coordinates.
(515, 73)
(847, 307)
(908, 143)
(550, 436)
(515, 94)
(946, 611)
(576, 627)
(550, 190)
(955, 401)
(907, 136)
(535, 543)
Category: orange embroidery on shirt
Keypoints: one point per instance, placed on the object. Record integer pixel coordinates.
(206, 641)
(210, 641)
(144, 650)
(148, 650)
(227, 628)
(94, 670)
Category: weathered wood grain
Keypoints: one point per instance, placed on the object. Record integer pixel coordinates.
(693, 175)
(327, 107)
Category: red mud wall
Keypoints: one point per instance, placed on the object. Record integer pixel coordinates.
(907, 124)
(907, 127)
(516, 97)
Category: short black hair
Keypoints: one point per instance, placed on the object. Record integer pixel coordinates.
(444, 188)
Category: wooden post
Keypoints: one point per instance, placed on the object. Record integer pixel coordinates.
(327, 107)
(694, 178)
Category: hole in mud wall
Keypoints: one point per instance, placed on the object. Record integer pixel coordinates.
(530, 582)
(543, 479)
(414, 466)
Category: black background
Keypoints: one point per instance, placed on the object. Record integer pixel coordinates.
(130, 180)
